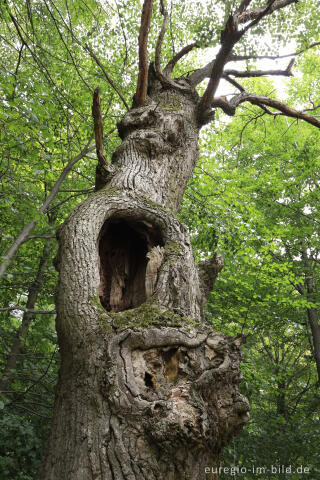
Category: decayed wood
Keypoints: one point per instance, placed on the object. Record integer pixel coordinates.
(155, 258)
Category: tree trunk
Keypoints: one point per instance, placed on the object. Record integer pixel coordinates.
(146, 389)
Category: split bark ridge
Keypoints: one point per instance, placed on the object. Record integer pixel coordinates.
(147, 390)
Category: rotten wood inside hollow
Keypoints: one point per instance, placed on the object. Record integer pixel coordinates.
(130, 254)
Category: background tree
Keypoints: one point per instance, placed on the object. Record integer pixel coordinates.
(68, 41)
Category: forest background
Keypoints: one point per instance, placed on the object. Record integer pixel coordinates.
(254, 198)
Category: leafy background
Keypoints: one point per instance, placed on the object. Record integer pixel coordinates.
(254, 198)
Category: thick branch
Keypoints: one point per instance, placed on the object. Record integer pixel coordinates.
(142, 85)
(205, 72)
(109, 79)
(273, 6)
(260, 73)
(229, 37)
(198, 75)
(243, 6)
(262, 12)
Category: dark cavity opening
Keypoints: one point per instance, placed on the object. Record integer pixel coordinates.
(148, 380)
(123, 248)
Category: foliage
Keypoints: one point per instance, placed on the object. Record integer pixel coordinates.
(263, 202)
(254, 198)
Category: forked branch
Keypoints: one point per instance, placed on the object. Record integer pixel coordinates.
(229, 37)
(196, 77)
(240, 58)
(271, 7)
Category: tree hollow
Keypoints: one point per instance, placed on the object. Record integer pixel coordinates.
(125, 248)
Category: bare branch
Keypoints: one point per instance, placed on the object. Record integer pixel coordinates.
(142, 85)
(260, 73)
(234, 83)
(239, 58)
(262, 12)
(161, 37)
(229, 37)
(198, 75)
(184, 51)
(109, 79)
(24, 309)
(229, 107)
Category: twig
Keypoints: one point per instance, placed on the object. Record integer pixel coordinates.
(24, 309)
(109, 79)
(42, 210)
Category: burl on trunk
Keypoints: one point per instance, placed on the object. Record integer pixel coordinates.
(147, 390)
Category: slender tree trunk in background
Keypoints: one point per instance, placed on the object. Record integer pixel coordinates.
(18, 342)
(147, 390)
(311, 312)
(315, 331)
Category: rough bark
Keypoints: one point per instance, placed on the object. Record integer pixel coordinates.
(146, 389)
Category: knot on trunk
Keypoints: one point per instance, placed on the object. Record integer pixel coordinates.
(208, 271)
(178, 385)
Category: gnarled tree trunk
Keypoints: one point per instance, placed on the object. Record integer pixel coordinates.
(146, 389)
